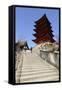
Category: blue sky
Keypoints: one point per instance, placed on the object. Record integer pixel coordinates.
(25, 18)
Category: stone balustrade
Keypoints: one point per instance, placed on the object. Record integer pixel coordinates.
(51, 57)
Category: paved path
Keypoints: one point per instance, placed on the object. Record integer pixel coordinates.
(34, 69)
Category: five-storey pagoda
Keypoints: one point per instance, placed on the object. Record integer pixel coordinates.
(43, 31)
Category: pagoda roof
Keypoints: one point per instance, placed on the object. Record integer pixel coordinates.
(39, 30)
(44, 30)
(43, 25)
(43, 34)
(38, 42)
(43, 19)
(47, 37)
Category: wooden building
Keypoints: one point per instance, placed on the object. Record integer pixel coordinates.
(20, 45)
(43, 30)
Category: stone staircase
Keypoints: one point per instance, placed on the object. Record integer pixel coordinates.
(35, 69)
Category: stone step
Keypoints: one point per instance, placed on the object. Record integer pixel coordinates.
(39, 79)
(34, 63)
(38, 72)
(35, 72)
(38, 75)
(37, 65)
(37, 68)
